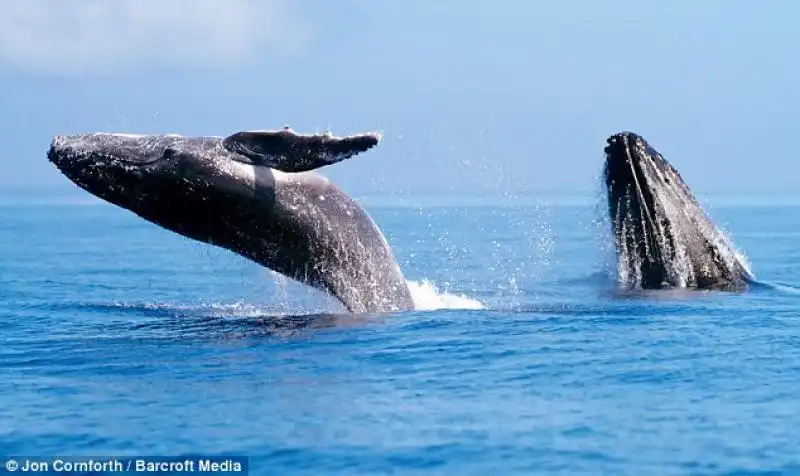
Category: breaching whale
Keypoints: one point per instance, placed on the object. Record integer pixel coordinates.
(662, 235)
(255, 193)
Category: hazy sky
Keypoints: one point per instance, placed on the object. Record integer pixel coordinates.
(516, 95)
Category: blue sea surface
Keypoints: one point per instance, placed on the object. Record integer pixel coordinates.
(121, 338)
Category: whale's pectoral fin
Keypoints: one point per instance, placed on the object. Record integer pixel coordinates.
(288, 151)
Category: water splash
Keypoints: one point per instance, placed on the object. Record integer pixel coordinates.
(602, 231)
(427, 297)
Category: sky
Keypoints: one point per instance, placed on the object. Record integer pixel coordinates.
(471, 96)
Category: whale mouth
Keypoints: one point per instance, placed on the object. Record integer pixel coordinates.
(97, 150)
(68, 159)
(621, 149)
(626, 155)
(634, 200)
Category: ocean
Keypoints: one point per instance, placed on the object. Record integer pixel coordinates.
(121, 338)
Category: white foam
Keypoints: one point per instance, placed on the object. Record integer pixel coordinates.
(427, 297)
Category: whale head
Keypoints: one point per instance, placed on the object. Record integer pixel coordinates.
(662, 235)
(154, 175)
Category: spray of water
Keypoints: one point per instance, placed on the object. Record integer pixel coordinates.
(602, 231)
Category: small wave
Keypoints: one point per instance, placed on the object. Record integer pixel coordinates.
(236, 310)
(427, 297)
(783, 288)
